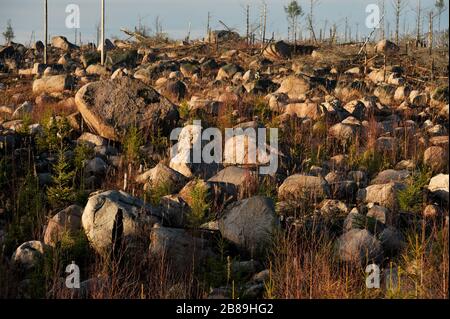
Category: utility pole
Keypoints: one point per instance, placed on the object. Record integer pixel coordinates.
(188, 33)
(419, 9)
(264, 24)
(207, 25)
(430, 33)
(45, 30)
(247, 14)
(346, 30)
(382, 22)
(103, 34)
(357, 32)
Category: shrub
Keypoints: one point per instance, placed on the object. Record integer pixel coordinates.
(200, 204)
(62, 191)
(411, 198)
(131, 144)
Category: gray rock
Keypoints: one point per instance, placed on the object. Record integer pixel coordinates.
(391, 240)
(438, 187)
(359, 246)
(250, 224)
(180, 249)
(28, 254)
(91, 139)
(381, 194)
(161, 175)
(175, 211)
(436, 158)
(333, 208)
(62, 43)
(350, 219)
(111, 107)
(53, 84)
(303, 187)
(380, 213)
(96, 167)
(67, 221)
(25, 108)
(391, 175)
(113, 218)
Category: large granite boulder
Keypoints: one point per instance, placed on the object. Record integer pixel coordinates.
(111, 107)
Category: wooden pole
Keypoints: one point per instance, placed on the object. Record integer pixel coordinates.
(430, 33)
(103, 34)
(264, 24)
(248, 24)
(45, 30)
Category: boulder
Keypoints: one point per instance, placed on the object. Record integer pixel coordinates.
(436, 158)
(91, 139)
(392, 241)
(111, 107)
(118, 57)
(108, 45)
(88, 58)
(438, 187)
(340, 187)
(175, 89)
(386, 47)
(25, 109)
(228, 71)
(95, 167)
(179, 248)
(279, 50)
(381, 194)
(97, 69)
(391, 175)
(62, 43)
(295, 87)
(161, 175)
(28, 255)
(250, 224)
(182, 154)
(381, 214)
(67, 221)
(343, 132)
(305, 110)
(114, 219)
(52, 84)
(333, 208)
(298, 186)
(358, 246)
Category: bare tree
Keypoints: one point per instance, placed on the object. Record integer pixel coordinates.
(399, 6)
(312, 3)
(382, 33)
(440, 6)
(262, 23)
(419, 17)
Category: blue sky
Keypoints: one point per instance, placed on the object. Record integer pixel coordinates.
(27, 15)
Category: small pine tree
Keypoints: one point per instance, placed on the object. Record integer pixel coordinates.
(9, 33)
(62, 190)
